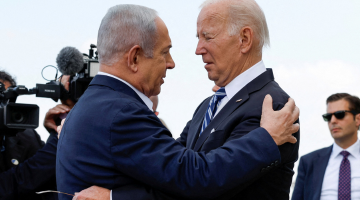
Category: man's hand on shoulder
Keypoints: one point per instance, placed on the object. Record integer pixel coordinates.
(93, 193)
(280, 124)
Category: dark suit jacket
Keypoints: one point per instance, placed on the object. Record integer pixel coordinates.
(20, 147)
(36, 170)
(311, 173)
(236, 120)
(112, 139)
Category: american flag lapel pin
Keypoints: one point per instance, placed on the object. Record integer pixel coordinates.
(238, 100)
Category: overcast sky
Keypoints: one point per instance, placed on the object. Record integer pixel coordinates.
(315, 52)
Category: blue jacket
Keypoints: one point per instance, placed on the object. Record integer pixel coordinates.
(111, 139)
(36, 173)
(311, 173)
(236, 120)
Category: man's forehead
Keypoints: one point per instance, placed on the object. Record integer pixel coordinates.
(163, 34)
(341, 104)
(211, 14)
(211, 17)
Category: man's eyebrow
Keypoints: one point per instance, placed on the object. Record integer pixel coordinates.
(168, 47)
(203, 33)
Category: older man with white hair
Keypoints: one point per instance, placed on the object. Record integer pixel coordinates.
(230, 152)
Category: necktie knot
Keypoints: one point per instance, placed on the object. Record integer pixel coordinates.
(220, 93)
(345, 154)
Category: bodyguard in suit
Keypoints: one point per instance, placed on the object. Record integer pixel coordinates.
(111, 138)
(333, 172)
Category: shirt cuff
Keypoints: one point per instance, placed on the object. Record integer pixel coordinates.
(110, 194)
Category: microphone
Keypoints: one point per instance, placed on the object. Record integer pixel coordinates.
(70, 61)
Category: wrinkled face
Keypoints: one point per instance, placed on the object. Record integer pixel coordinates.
(220, 52)
(154, 69)
(341, 129)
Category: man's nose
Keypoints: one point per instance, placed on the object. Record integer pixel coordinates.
(200, 48)
(333, 119)
(170, 64)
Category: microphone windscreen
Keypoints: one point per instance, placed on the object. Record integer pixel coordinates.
(69, 61)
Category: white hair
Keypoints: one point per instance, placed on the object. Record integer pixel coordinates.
(245, 13)
(123, 27)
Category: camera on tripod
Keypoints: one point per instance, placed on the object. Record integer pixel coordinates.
(81, 67)
(16, 117)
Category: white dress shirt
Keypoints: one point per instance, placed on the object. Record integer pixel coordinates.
(146, 100)
(239, 82)
(329, 190)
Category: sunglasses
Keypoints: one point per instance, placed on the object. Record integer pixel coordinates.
(338, 114)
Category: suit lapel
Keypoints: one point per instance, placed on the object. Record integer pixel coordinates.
(196, 124)
(230, 107)
(234, 103)
(320, 165)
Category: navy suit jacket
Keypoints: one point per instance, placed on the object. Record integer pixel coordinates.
(37, 173)
(236, 120)
(111, 139)
(311, 173)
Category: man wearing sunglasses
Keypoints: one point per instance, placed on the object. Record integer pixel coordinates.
(334, 172)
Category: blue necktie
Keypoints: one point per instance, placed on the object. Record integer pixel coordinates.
(213, 105)
(344, 191)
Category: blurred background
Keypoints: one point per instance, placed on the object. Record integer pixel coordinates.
(315, 52)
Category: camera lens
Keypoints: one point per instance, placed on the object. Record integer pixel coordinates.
(17, 117)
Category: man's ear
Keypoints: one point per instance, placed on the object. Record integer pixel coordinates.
(133, 58)
(246, 39)
(357, 120)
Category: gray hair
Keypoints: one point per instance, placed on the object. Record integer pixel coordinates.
(123, 27)
(245, 13)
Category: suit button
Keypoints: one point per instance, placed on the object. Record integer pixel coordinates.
(276, 163)
(268, 168)
(272, 165)
(263, 170)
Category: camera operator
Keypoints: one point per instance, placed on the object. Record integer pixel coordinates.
(27, 165)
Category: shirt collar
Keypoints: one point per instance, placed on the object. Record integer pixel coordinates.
(244, 78)
(354, 150)
(142, 96)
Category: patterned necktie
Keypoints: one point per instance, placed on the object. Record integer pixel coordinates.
(344, 191)
(213, 105)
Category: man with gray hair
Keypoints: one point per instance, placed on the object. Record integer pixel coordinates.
(133, 150)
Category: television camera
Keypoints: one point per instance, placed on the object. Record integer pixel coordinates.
(16, 117)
